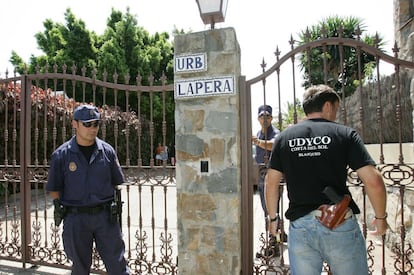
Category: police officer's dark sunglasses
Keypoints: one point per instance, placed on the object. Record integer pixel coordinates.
(94, 123)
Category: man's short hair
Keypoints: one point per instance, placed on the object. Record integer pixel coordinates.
(315, 97)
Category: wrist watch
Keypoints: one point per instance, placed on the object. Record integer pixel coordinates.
(273, 219)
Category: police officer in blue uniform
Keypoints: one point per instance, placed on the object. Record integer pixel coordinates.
(264, 142)
(83, 175)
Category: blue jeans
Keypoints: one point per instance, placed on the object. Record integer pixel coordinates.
(310, 244)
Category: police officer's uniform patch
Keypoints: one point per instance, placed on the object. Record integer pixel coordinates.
(72, 166)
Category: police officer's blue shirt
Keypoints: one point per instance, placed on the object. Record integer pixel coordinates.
(81, 183)
(272, 132)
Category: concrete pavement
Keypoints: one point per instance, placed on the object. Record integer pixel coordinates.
(11, 267)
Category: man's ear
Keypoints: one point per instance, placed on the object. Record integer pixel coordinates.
(329, 111)
(326, 107)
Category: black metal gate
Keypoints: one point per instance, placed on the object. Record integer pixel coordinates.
(381, 111)
(35, 116)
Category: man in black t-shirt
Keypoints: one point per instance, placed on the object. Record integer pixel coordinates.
(312, 155)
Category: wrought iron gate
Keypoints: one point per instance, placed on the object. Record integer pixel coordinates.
(35, 116)
(35, 111)
(380, 107)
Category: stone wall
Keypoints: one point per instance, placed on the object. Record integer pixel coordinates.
(404, 28)
(404, 37)
(400, 195)
(370, 124)
(208, 131)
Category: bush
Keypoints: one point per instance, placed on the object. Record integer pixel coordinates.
(51, 116)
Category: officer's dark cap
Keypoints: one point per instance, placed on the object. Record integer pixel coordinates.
(86, 113)
(265, 110)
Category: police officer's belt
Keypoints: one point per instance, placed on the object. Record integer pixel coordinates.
(88, 209)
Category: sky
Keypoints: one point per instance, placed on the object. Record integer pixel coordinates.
(260, 25)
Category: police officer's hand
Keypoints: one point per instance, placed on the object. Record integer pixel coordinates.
(254, 140)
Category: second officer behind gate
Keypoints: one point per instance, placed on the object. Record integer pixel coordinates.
(83, 175)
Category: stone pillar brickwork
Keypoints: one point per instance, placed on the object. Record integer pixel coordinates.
(404, 28)
(208, 136)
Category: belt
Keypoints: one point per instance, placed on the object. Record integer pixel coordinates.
(88, 209)
(318, 213)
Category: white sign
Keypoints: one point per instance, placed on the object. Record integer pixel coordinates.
(204, 87)
(190, 63)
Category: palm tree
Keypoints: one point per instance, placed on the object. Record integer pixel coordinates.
(312, 61)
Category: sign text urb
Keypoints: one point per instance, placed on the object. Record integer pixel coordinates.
(190, 63)
(204, 87)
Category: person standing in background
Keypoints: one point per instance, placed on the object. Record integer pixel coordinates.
(159, 151)
(165, 154)
(172, 154)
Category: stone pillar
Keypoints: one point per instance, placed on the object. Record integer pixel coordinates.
(404, 28)
(208, 152)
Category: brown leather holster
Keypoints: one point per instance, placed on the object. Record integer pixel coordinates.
(333, 215)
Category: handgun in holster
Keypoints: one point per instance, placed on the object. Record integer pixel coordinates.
(333, 215)
(59, 212)
(115, 209)
(262, 170)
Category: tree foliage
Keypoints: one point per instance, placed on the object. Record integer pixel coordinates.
(123, 52)
(52, 112)
(312, 65)
(293, 115)
(123, 48)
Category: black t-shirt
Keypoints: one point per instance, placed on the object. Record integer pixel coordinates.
(87, 151)
(312, 155)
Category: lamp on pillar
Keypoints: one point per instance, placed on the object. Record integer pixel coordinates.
(212, 11)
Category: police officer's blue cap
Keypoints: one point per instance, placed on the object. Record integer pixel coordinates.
(265, 110)
(86, 113)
